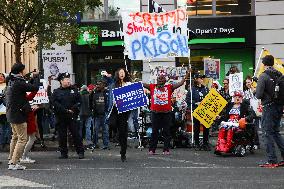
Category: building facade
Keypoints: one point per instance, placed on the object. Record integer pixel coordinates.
(270, 27)
(224, 30)
(7, 55)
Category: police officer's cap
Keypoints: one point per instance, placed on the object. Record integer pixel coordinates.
(198, 75)
(61, 76)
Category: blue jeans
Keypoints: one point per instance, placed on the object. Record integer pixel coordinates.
(100, 122)
(5, 133)
(88, 124)
(270, 122)
(134, 126)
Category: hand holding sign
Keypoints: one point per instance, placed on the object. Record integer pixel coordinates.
(130, 97)
(210, 108)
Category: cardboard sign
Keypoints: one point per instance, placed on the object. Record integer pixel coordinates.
(210, 108)
(130, 97)
(155, 35)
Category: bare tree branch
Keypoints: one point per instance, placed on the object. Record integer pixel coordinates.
(6, 37)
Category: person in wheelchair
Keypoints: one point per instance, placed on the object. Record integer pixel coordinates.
(237, 115)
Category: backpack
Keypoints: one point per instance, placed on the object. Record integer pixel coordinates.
(278, 93)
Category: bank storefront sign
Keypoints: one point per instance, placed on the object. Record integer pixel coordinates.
(89, 35)
(214, 31)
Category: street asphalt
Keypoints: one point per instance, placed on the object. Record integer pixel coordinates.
(184, 168)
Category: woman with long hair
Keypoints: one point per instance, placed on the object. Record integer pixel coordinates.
(121, 78)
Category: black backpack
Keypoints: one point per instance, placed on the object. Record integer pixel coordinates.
(278, 93)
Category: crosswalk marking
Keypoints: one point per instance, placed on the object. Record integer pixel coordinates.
(7, 181)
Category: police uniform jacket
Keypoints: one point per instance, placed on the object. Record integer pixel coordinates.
(64, 99)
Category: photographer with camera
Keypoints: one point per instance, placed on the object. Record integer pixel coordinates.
(17, 109)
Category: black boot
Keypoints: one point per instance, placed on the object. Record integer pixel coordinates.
(63, 156)
(81, 156)
(123, 157)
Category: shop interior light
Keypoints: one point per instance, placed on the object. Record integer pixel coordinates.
(233, 4)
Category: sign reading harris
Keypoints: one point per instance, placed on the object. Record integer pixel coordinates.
(155, 35)
(130, 97)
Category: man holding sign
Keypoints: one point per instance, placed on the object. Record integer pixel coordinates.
(161, 107)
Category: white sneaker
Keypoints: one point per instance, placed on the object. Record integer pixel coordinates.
(27, 160)
(16, 167)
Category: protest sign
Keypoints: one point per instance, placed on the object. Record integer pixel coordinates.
(130, 97)
(2, 109)
(155, 35)
(210, 108)
(235, 82)
(54, 62)
(212, 68)
(40, 97)
(171, 73)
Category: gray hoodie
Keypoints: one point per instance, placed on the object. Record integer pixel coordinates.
(265, 86)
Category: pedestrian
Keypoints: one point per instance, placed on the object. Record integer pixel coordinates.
(161, 107)
(199, 91)
(121, 78)
(224, 91)
(17, 109)
(32, 130)
(66, 102)
(249, 94)
(86, 119)
(5, 128)
(100, 109)
(271, 112)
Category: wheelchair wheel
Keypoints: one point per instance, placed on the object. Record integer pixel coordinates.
(240, 151)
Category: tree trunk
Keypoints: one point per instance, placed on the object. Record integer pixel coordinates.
(18, 46)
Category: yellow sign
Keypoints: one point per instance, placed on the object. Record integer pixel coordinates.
(210, 108)
(277, 64)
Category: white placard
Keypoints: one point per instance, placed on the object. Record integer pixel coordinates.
(40, 97)
(155, 35)
(235, 82)
(54, 62)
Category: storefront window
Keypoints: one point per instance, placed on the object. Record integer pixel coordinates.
(223, 60)
(199, 7)
(217, 7)
(88, 66)
(93, 14)
(110, 10)
(233, 7)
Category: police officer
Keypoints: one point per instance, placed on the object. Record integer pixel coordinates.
(66, 102)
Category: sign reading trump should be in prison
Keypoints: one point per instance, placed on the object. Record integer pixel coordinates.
(155, 35)
(130, 97)
(210, 108)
